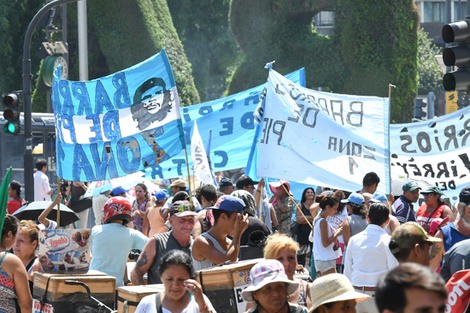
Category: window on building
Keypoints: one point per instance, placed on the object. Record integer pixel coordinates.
(462, 8)
(434, 12)
(324, 18)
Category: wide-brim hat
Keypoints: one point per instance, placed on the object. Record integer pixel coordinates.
(333, 288)
(275, 185)
(178, 183)
(267, 272)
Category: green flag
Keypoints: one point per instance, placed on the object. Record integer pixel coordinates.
(4, 197)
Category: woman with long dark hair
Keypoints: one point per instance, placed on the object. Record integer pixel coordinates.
(304, 221)
(141, 205)
(14, 192)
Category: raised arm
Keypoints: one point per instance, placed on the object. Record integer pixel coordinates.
(43, 217)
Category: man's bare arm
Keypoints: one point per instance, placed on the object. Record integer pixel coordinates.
(143, 263)
(437, 252)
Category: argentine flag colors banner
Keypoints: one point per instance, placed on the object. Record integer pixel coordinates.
(119, 124)
(322, 139)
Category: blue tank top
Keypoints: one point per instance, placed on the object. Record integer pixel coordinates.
(451, 236)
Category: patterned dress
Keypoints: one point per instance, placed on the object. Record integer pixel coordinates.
(284, 219)
(7, 291)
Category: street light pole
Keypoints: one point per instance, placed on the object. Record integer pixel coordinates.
(27, 77)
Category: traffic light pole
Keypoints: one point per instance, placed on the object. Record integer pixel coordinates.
(27, 77)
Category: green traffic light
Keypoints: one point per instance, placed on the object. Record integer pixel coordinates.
(10, 128)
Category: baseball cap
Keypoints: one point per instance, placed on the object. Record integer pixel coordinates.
(118, 190)
(178, 183)
(378, 197)
(433, 189)
(436, 223)
(182, 208)
(229, 204)
(355, 198)
(410, 186)
(407, 235)
(161, 194)
(245, 181)
(464, 196)
(225, 181)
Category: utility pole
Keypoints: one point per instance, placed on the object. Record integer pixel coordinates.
(27, 77)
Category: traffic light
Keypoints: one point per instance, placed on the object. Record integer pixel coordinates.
(420, 111)
(11, 113)
(457, 34)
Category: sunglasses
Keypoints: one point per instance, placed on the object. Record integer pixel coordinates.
(183, 208)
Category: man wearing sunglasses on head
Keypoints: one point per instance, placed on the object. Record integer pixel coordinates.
(182, 216)
(213, 247)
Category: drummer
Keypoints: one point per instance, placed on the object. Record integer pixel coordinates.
(45, 222)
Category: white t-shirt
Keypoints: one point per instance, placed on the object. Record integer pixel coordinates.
(148, 305)
(41, 187)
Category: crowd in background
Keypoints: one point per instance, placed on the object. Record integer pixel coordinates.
(350, 244)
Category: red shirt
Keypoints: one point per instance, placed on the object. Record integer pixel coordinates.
(14, 205)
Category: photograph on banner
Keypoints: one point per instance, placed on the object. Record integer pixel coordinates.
(233, 129)
(63, 250)
(119, 124)
(436, 151)
(321, 138)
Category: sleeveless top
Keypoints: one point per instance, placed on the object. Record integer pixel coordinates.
(156, 221)
(357, 224)
(320, 252)
(138, 221)
(7, 291)
(451, 236)
(200, 265)
(422, 217)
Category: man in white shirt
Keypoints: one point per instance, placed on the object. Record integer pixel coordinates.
(42, 190)
(368, 256)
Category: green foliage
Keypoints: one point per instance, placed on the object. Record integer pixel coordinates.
(15, 16)
(128, 32)
(208, 41)
(429, 73)
(375, 44)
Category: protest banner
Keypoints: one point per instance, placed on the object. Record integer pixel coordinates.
(231, 122)
(435, 150)
(322, 138)
(119, 124)
(199, 157)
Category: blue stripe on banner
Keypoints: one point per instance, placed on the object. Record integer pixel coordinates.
(116, 158)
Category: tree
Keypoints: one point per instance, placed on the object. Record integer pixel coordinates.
(429, 73)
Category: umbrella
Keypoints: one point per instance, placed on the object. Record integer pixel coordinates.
(97, 187)
(32, 211)
(398, 183)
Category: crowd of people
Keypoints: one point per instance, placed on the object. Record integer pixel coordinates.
(360, 248)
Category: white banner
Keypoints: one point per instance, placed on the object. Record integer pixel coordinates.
(436, 151)
(199, 156)
(321, 138)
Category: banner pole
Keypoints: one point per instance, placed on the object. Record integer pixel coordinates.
(189, 177)
(296, 205)
(58, 204)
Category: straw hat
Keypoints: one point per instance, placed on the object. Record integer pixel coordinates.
(333, 288)
(267, 272)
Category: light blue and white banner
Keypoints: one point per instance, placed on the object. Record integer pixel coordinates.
(321, 138)
(436, 151)
(119, 124)
(233, 130)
